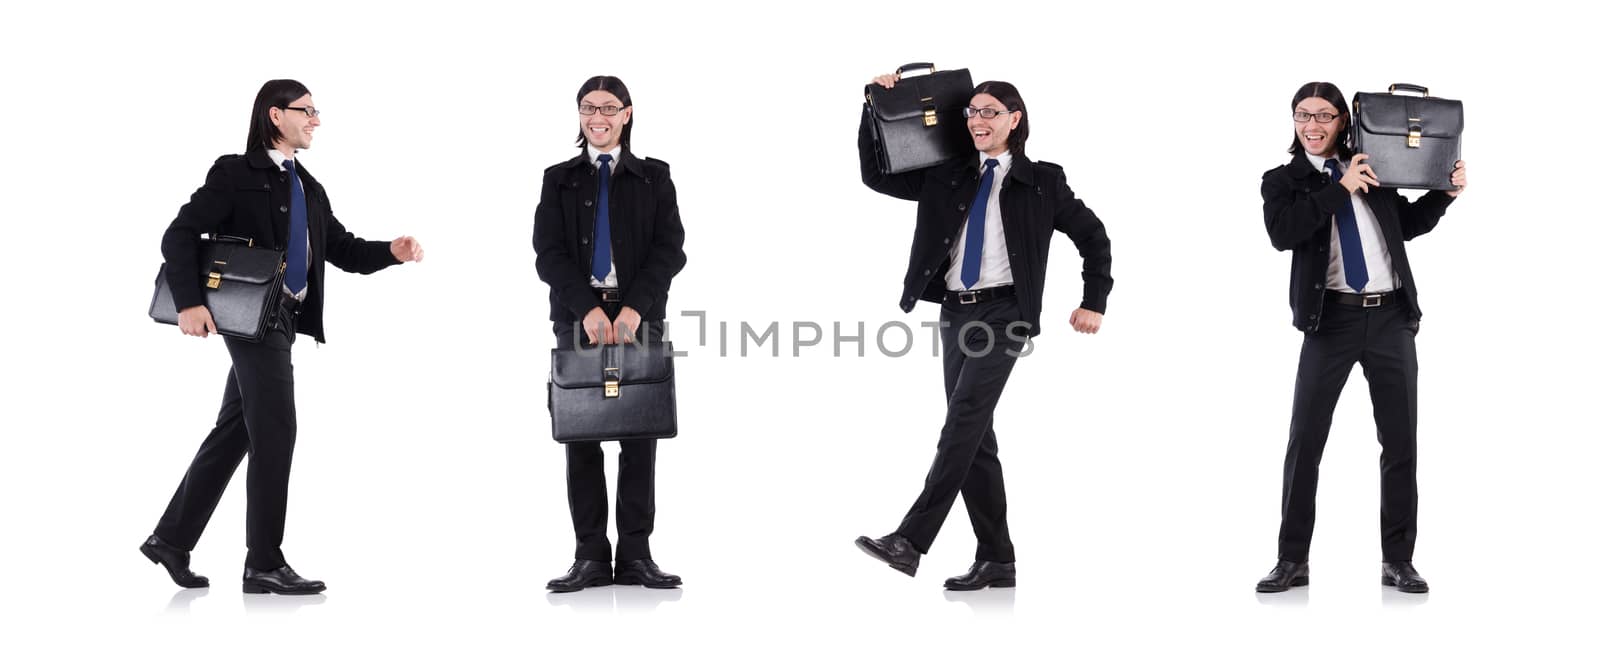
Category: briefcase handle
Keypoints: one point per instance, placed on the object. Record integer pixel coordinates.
(234, 240)
(1413, 88)
(915, 66)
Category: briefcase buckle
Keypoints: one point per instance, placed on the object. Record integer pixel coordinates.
(613, 382)
(930, 115)
(214, 280)
(1414, 134)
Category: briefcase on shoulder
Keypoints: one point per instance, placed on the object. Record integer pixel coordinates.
(1412, 142)
(613, 392)
(242, 284)
(919, 123)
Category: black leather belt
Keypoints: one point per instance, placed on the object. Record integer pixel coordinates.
(978, 296)
(1366, 300)
(608, 295)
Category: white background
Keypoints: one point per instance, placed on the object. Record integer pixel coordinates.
(1143, 464)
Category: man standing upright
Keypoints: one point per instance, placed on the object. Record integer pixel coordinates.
(609, 241)
(264, 195)
(1352, 293)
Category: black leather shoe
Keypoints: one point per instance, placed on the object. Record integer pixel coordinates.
(584, 573)
(984, 574)
(893, 549)
(1285, 575)
(280, 580)
(1400, 575)
(645, 572)
(175, 560)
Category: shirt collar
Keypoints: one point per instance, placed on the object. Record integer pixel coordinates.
(1321, 164)
(1003, 158)
(615, 153)
(277, 158)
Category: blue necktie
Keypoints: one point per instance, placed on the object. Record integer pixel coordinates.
(1355, 262)
(972, 252)
(294, 276)
(602, 222)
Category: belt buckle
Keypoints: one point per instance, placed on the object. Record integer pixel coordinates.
(610, 295)
(1369, 301)
(967, 297)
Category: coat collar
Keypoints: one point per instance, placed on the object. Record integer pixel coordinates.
(627, 162)
(1022, 169)
(257, 159)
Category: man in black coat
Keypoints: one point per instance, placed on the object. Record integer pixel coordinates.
(1353, 294)
(984, 225)
(609, 240)
(264, 195)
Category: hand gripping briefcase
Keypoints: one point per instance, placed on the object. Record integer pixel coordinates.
(613, 392)
(242, 283)
(918, 123)
(1412, 142)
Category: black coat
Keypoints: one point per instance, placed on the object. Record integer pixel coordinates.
(1299, 201)
(248, 196)
(1034, 202)
(646, 235)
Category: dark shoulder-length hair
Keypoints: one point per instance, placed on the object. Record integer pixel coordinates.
(278, 93)
(1012, 100)
(1329, 92)
(615, 87)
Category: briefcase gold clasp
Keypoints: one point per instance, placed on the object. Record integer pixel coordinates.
(214, 280)
(930, 115)
(613, 383)
(1414, 134)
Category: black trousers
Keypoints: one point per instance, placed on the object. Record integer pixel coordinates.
(257, 419)
(978, 356)
(1383, 340)
(586, 478)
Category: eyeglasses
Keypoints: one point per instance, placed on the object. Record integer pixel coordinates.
(608, 110)
(969, 112)
(1322, 117)
(308, 111)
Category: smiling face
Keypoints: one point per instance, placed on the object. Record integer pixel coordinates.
(601, 131)
(989, 134)
(294, 126)
(1318, 138)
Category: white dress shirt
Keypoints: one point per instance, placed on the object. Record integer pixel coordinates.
(594, 160)
(996, 267)
(1380, 271)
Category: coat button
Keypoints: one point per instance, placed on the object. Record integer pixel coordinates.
(283, 209)
(1317, 286)
(588, 202)
(927, 272)
(961, 207)
(584, 241)
(947, 241)
(1313, 316)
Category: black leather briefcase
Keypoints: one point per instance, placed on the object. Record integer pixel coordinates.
(918, 123)
(613, 392)
(1413, 142)
(242, 284)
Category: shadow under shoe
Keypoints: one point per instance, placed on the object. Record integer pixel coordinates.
(984, 574)
(1285, 575)
(175, 560)
(895, 550)
(583, 574)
